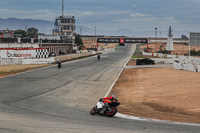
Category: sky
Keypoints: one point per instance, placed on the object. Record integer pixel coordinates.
(135, 15)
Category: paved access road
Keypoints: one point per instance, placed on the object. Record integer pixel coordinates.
(58, 100)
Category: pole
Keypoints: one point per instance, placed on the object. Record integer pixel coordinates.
(189, 47)
(155, 38)
(147, 45)
(62, 8)
(95, 38)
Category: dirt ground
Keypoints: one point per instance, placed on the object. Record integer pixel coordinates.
(159, 93)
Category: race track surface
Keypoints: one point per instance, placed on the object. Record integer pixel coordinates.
(58, 100)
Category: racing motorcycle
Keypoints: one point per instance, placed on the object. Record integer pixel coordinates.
(108, 109)
(59, 64)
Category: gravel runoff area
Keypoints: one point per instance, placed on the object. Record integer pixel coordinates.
(159, 93)
(156, 93)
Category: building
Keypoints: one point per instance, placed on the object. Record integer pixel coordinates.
(194, 38)
(55, 44)
(7, 33)
(65, 27)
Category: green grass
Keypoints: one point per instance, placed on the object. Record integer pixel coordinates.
(117, 47)
(139, 56)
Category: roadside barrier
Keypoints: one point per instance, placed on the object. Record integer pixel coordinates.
(186, 66)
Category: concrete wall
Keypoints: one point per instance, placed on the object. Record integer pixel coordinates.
(172, 60)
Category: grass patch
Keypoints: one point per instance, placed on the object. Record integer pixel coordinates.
(117, 47)
(140, 56)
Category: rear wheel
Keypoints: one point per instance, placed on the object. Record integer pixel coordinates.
(111, 112)
(93, 110)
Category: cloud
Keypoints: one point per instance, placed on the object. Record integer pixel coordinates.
(4, 10)
(138, 15)
(35, 14)
(83, 14)
(134, 5)
(43, 11)
(135, 19)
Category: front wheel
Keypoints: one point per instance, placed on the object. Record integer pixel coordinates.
(111, 112)
(93, 110)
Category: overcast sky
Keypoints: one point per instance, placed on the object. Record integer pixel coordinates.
(136, 15)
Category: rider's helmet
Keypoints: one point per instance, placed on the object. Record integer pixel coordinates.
(113, 96)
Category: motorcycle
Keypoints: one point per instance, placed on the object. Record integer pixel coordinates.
(98, 56)
(59, 64)
(108, 109)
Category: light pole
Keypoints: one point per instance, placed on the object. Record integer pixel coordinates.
(155, 38)
(95, 38)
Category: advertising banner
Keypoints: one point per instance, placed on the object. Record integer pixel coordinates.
(17, 53)
(136, 40)
(122, 40)
(108, 40)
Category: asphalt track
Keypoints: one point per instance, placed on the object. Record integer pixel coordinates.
(52, 100)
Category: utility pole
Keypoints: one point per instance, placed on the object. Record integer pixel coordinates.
(155, 37)
(95, 37)
(62, 8)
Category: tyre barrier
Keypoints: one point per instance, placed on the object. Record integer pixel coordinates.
(145, 61)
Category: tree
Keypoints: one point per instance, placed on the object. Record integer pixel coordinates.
(184, 37)
(78, 40)
(32, 31)
(21, 32)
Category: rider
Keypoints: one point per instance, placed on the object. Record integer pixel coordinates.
(58, 60)
(104, 101)
(98, 56)
(109, 99)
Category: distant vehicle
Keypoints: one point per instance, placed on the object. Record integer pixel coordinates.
(59, 64)
(52, 54)
(98, 56)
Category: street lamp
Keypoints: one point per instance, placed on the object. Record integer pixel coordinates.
(155, 37)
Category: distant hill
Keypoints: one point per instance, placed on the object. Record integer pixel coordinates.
(15, 24)
(47, 26)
